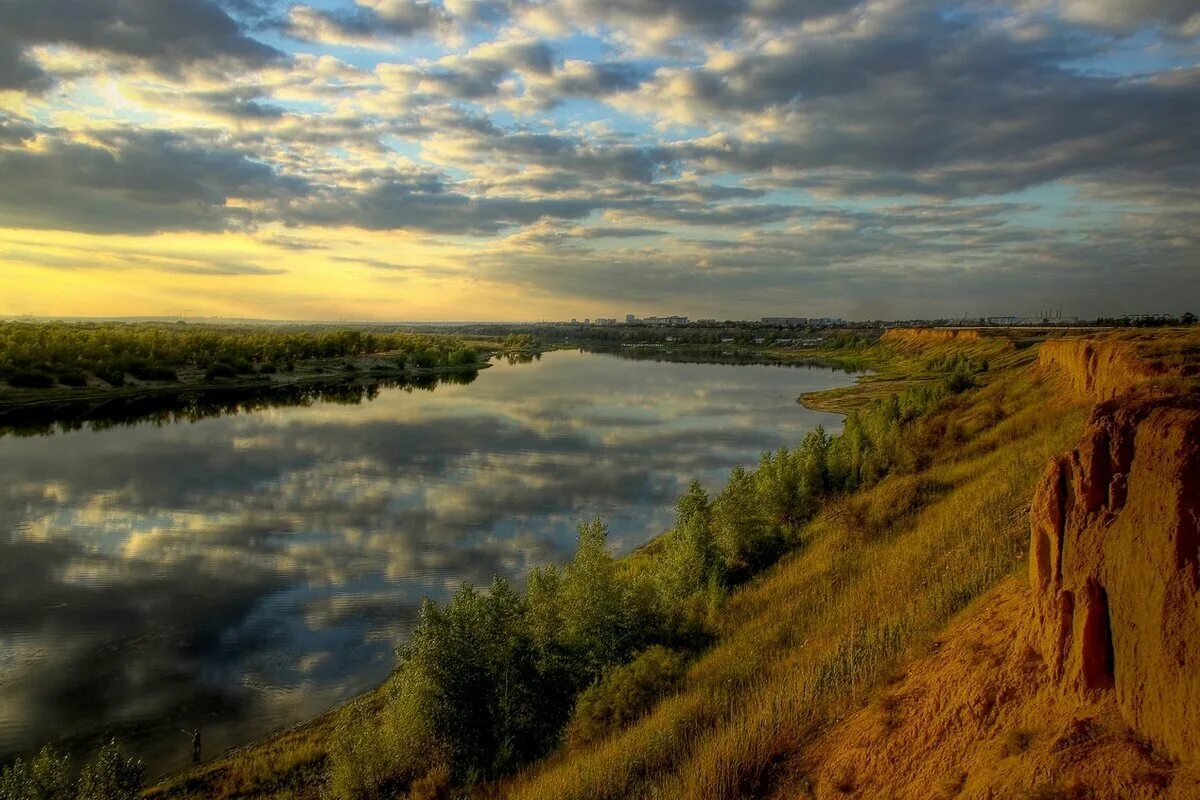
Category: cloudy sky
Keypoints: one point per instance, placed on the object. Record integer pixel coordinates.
(526, 159)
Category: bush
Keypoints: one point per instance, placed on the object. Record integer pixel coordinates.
(152, 372)
(624, 694)
(220, 370)
(73, 377)
(959, 382)
(31, 379)
(423, 359)
(461, 357)
(113, 374)
(267, 369)
(45, 777)
(111, 775)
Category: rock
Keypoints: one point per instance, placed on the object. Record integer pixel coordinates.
(1115, 565)
(1094, 370)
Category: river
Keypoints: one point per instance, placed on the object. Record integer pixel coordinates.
(243, 572)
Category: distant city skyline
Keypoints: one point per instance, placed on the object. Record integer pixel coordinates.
(524, 159)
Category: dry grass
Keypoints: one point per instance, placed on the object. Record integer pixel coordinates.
(813, 637)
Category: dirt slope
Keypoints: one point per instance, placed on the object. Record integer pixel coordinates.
(980, 718)
(1084, 681)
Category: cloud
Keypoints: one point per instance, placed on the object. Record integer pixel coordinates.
(1180, 16)
(901, 111)
(165, 35)
(131, 181)
(423, 202)
(368, 22)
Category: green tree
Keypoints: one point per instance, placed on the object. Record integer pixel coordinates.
(44, 777)
(111, 775)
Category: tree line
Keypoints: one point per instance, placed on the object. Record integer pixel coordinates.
(110, 775)
(45, 355)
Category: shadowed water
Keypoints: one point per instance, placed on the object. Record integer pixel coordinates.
(244, 571)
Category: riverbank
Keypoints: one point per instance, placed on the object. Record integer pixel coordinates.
(34, 411)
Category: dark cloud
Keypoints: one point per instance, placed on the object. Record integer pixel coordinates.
(363, 23)
(1179, 16)
(243, 104)
(713, 18)
(584, 79)
(167, 35)
(423, 203)
(14, 131)
(932, 106)
(131, 181)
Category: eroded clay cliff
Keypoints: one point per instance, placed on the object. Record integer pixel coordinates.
(1094, 370)
(928, 336)
(1115, 566)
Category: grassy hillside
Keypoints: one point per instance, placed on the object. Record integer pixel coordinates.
(881, 574)
(869, 583)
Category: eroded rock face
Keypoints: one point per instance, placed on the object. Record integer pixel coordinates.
(1094, 371)
(927, 336)
(1115, 567)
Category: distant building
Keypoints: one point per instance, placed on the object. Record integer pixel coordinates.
(630, 319)
(606, 320)
(787, 321)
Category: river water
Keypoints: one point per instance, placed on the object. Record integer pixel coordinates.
(243, 572)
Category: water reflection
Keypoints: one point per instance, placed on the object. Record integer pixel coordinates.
(239, 572)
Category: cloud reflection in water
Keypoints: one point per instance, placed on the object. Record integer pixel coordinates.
(243, 572)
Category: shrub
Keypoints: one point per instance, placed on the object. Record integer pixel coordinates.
(624, 694)
(73, 377)
(152, 372)
(45, 777)
(267, 369)
(111, 775)
(423, 359)
(958, 382)
(220, 370)
(31, 379)
(111, 373)
(461, 357)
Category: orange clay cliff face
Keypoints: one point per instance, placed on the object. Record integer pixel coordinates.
(1094, 370)
(928, 336)
(1081, 682)
(1115, 568)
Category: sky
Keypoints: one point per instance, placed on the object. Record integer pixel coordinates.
(521, 160)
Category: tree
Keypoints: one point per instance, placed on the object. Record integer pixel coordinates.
(740, 533)
(45, 777)
(111, 775)
(595, 620)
